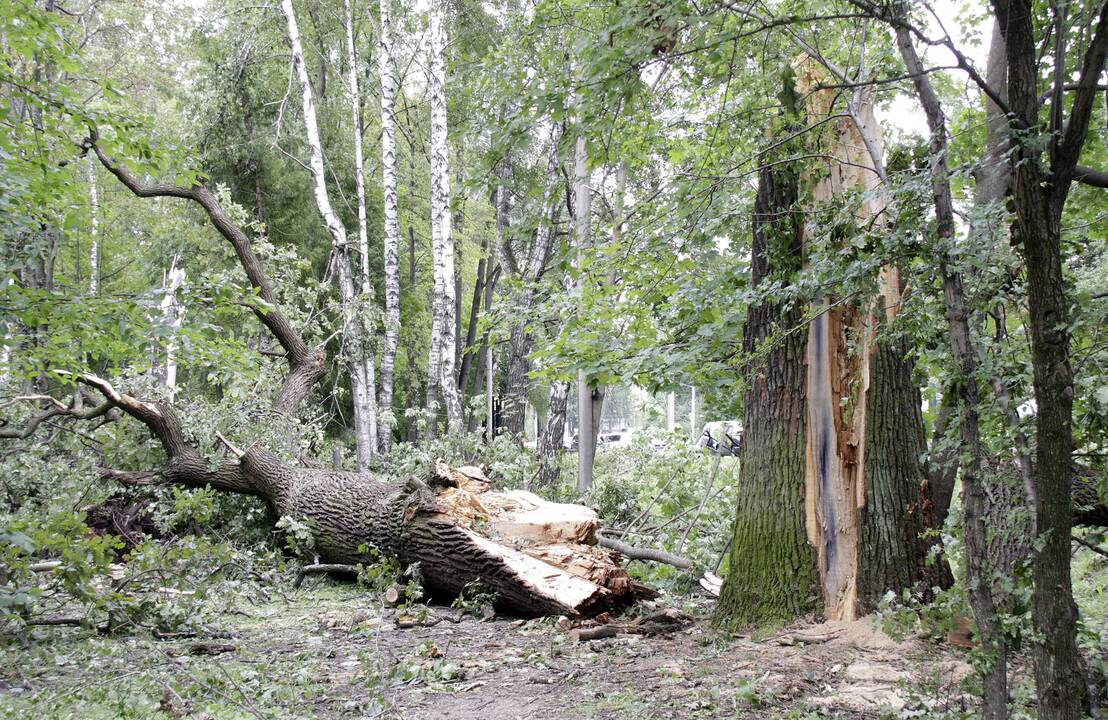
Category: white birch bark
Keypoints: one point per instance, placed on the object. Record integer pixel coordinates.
(387, 71)
(363, 401)
(363, 359)
(441, 356)
(94, 229)
(172, 316)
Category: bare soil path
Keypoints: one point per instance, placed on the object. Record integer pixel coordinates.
(332, 652)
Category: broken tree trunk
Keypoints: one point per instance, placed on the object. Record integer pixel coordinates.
(864, 427)
(536, 557)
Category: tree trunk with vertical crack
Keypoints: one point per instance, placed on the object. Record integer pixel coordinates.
(864, 505)
(772, 571)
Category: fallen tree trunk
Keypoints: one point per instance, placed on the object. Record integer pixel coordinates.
(534, 556)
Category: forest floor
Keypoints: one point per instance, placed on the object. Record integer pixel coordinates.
(326, 652)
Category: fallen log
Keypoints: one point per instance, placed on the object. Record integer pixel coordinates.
(535, 557)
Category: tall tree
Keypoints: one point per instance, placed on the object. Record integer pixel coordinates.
(362, 393)
(772, 572)
(964, 350)
(361, 346)
(387, 69)
(1045, 169)
(528, 271)
(440, 359)
(582, 204)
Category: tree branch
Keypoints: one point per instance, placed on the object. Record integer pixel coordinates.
(1089, 176)
(1077, 127)
(306, 365)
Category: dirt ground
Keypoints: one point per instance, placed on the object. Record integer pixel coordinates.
(325, 653)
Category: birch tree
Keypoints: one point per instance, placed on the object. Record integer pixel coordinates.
(440, 359)
(363, 356)
(365, 421)
(94, 227)
(387, 70)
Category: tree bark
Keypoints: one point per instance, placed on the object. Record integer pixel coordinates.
(864, 482)
(361, 346)
(536, 557)
(94, 228)
(1039, 191)
(441, 372)
(551, 437)
(529, 273)
(583, 209)
(964, 384)
(391, 240)
(772, 568)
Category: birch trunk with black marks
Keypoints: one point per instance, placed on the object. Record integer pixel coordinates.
(440, 361)
(864, 506)
(94, 228)
(391, 239)
(361, 371)
(772, 570)
(550, 443)
(172, 316)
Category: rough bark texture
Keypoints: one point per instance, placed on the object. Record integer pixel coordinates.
(529, 271)
(772, 569)
(535, 557)
(1039, 191)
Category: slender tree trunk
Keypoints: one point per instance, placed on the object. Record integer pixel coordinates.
(550, 440)
(94, 228)
(364, 416)
(441, 373)
(471, 327)
(361, 346)
(965, 388)
(391, 240)
(772, 572)
(1039, 193)
(172, 317)
(585, 422)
